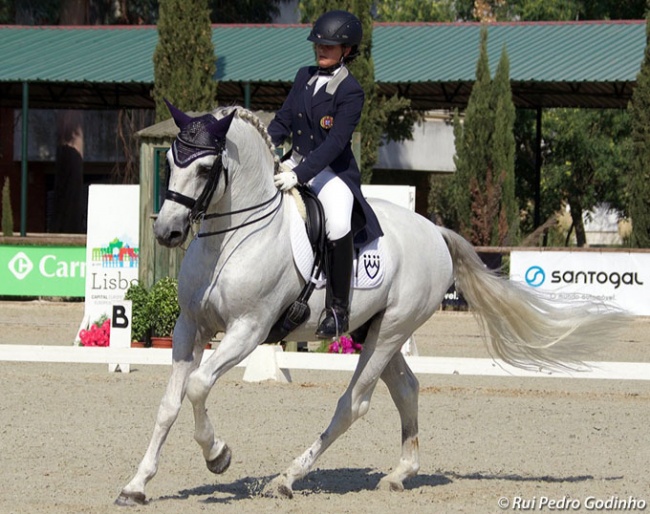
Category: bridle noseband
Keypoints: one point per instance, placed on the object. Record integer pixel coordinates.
(199, 206)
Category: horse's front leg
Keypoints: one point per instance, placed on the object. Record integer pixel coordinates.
(238, 342)
(185, 360)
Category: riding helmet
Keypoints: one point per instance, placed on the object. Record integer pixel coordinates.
(337, 28)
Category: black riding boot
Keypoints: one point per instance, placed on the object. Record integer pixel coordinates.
(339, 275)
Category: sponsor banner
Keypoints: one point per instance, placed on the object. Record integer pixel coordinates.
(619, 279)
(42, 270)
(112, 248)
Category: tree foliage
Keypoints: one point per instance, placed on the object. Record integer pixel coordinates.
(583, 158)
(561, 159)
(483, 187)
(638, 186)
(415, 10)
(184, 58)
(244, 11)
(548, 10)
(503, 153)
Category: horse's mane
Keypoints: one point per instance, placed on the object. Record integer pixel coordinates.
(252, 119)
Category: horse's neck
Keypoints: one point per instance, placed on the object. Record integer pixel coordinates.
(250, 184)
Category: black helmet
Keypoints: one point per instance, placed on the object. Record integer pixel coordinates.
(337, 28)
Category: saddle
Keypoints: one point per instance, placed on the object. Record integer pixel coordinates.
(298, 312)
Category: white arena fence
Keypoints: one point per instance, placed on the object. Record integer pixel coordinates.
(269, 362)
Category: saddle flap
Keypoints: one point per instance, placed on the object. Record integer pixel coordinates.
(315, 219)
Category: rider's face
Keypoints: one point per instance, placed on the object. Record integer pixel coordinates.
(329, 55)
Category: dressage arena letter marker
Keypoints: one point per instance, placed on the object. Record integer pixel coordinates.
(121, 331)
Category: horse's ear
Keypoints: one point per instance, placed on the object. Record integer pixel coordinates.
(180, 118)
(219, 128)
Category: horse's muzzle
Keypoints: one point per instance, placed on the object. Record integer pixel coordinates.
(170, 235)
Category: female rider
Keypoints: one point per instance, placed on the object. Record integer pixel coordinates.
(320, 114)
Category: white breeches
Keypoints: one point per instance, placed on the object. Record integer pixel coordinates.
(337, 200)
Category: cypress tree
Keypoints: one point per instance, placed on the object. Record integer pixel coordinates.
(638, 187)
(184, 58)
(483, 188)
(504, 229)
(473, 140)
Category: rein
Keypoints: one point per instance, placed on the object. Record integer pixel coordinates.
(199, 205)
(230, 229)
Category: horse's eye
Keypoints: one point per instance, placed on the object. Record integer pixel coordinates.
(203, 169)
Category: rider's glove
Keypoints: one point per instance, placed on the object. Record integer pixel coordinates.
(286, 179)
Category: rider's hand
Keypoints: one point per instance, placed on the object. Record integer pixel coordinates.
(286, 179)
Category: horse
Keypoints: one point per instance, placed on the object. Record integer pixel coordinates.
(238, 277)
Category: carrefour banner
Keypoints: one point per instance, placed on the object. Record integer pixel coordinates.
(42, 270)
(621, 279)
(112, 247)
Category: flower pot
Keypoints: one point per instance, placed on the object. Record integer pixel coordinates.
(161, 342)
(137, 344)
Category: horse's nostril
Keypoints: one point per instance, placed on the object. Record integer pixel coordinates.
(175, 234)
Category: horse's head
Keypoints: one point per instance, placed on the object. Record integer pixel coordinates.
(196, 171)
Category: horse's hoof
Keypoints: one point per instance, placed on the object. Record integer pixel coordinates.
(221, 462)
(281, 491)
(390, 485)
(277, 488)
(130, 499)
(285, 492)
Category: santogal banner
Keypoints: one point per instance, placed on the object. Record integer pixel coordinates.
(621, 279)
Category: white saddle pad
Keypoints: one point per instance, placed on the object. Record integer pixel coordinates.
(369, 268)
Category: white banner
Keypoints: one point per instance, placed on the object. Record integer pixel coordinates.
(400, 195)
(621, 279)
(112, 248)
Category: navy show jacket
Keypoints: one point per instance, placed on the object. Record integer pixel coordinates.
(321, 127)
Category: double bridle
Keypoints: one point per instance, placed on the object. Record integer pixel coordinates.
(198, 206)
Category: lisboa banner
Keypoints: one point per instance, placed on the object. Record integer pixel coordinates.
(621, 279)
(112, 248)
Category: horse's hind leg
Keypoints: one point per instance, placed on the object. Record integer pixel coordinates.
(403, 387)
(354, 404)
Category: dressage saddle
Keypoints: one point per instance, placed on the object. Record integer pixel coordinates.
(298, 312)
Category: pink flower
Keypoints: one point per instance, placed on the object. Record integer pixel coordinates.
(346, 345)
(98, 334)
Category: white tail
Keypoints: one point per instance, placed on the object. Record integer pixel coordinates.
(523, 328)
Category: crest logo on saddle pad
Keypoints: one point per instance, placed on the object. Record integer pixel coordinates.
(372, 264)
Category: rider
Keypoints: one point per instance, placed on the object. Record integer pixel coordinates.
(320, 114)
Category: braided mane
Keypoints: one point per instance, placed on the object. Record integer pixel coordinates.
(252, 119)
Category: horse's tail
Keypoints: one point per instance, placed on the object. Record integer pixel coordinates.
(522, 327)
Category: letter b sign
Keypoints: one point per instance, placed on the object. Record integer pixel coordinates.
(121, 324)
